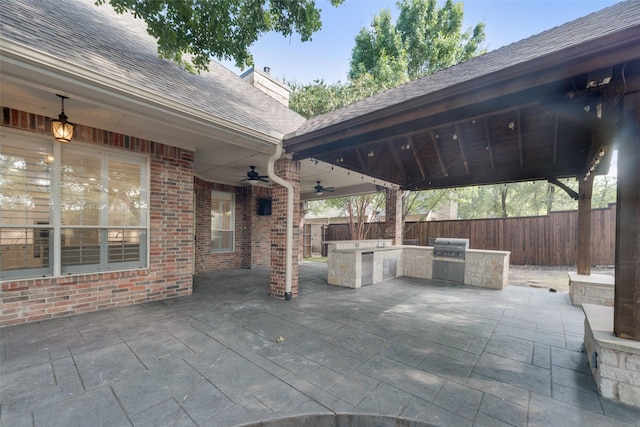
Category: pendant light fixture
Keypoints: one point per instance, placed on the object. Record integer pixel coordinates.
(62, 130)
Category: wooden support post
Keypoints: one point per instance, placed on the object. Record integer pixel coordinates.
(626, 307)
(585, 188)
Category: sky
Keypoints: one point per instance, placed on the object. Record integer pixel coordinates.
(328, 55)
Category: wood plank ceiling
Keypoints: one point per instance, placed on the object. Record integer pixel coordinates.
(548, 118)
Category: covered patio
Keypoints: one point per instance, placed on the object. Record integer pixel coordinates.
(418, 350)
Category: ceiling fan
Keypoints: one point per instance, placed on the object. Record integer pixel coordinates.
(253, 177)
(320, 189)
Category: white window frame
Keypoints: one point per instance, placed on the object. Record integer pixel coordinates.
(231, 197)
(55, 225)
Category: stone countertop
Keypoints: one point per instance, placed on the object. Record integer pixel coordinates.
(600, 320)
(369, 249)
(488, 251)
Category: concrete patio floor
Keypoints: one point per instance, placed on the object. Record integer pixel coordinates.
(419, 350)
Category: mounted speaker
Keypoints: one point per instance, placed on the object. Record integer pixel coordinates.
(264, 207)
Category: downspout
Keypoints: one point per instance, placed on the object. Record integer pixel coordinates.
(289, 238)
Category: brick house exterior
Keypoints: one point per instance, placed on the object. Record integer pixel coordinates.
(253, 231)
(171, 224)
(196, 134)
(174, 191)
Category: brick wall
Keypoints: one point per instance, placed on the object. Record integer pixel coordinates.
(170, 233)
(393, 215)
(290, 171)
(260, 229)
(252, 231)
(205, 259)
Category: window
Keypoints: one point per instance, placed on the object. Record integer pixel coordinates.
(70, 209)
(223, 208)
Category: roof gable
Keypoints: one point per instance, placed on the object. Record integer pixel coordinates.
(119, 48)
(618, 17)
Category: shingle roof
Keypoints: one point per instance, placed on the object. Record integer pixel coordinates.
(612, 19)
(118, 47)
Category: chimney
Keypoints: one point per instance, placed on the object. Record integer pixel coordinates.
(266, 83)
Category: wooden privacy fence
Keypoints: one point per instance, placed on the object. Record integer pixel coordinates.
(540, 240)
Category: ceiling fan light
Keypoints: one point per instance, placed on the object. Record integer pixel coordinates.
(252, 181)
(319, 193)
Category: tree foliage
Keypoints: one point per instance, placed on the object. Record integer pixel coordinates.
(529, 198)
(360, 211)
(433, 36)
(379, 51)
(425, 39)
(310, 100)
(206, 29)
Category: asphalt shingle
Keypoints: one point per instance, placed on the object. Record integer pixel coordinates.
(118, 48)
(618, 17)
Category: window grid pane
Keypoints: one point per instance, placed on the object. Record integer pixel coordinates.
(26, 249)
(102, 203)
(222, 221)
(25, 184)
(81, 188)
(124, 245)
(125, 196)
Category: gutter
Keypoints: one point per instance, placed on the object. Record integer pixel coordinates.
(31, 67)
(289, 237)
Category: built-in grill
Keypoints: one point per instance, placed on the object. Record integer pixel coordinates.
(448, 259)
(450, 248)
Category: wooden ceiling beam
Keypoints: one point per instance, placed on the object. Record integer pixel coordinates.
(519, 128)
(376, 158)
(489, 143)
(461, 144)
(570, 191)
(555, 140)
(434, 140)
(363, 164)
(416, 156)
(397, 159)
(418, 127)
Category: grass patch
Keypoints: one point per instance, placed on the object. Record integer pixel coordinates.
(316, 259)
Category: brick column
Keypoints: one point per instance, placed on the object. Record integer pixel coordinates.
(393, 216)
(290, 171)
(244, 223)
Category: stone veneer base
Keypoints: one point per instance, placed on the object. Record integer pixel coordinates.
(483, 268)
(614, 362)
(595, 289)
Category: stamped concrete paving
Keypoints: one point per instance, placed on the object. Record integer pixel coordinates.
(421, 350)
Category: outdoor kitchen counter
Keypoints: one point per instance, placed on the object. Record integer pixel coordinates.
(359, 266)
(354, 250)
(483, 268)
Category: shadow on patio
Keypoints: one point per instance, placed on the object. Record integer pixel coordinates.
(419, 350)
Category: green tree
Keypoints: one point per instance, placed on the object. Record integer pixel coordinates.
(426, 36)
(318, 98)
(360, 211)
(206, 29)
(425, 39)
(529, 198)
(379, 52)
